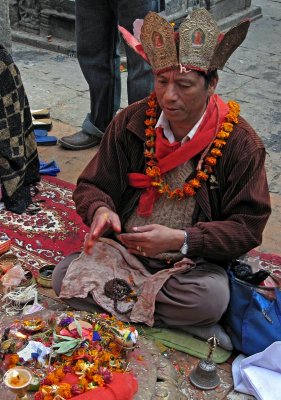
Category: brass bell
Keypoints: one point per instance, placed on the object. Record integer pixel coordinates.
(205, 376)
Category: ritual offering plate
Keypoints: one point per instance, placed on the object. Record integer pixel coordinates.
(34, 325)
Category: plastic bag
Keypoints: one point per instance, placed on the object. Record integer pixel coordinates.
(13, 277)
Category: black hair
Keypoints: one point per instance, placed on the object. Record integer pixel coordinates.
(209, 76)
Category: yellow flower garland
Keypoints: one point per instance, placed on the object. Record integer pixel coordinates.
(189, 188)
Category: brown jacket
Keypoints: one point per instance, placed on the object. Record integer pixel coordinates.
(230, 214)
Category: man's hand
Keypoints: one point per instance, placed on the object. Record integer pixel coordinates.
(104, 219)
(150, 240)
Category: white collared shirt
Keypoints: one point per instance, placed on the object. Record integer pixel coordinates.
(164, 124)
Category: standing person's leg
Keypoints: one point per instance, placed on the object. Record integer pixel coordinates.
(96, 35)
(140, 78)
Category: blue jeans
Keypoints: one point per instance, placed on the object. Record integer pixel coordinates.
(98, 55)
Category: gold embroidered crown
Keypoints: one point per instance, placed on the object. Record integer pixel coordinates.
(198, 45)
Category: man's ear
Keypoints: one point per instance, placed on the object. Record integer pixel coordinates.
(212, 85)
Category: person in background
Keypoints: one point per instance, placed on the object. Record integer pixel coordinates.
(177, 190)
(98, 55)
(19, 163)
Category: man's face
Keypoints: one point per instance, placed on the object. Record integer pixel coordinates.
(182, 96)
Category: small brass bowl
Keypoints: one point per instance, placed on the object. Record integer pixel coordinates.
(45, 275)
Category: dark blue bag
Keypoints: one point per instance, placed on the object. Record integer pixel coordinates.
(253, 317)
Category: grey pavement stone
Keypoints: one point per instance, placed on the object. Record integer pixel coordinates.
(5, 30)
(239, 396)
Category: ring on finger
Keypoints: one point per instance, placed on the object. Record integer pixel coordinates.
(138, 248)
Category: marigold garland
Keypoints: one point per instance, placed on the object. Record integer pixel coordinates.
(189, 188)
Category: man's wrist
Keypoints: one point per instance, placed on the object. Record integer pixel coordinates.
(184, 248)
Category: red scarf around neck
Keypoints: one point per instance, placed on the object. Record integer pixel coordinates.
(175, 155)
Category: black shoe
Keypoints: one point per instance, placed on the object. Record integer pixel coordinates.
(79, 141)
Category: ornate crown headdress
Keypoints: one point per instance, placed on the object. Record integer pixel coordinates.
(199, 44)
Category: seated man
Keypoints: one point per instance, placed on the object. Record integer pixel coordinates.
(177, 190)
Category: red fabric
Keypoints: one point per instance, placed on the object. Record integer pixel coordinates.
(173, 156)
(274, 259)
(123, 387)
(52, 233)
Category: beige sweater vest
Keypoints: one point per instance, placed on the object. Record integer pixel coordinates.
(173, 213)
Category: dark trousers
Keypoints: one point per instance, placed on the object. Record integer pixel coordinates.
(98, 55)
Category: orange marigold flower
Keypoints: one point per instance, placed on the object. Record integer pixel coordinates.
(195, 183)
(64, 390)
(150, 121)
(176, 193)
(165, 188)
(79, 366)
(79, 352)
(171, 194)
(216, 152)
(52, 378)
(59, 373)
(188, 190)
(222, 135)
(46, 389)
(211, 161)
(148, 154)
(152, 103)
(201, 175)
(219, 143)
(150, 143)
(153, 171)
(98, 380)
(151, 112)
(227, 126)
(234, 106)
(83, 382)
(149, 131)
(232, 117)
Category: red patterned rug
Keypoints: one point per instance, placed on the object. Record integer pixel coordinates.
(52, 233)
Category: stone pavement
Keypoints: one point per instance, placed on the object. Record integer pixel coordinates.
(252, 77)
